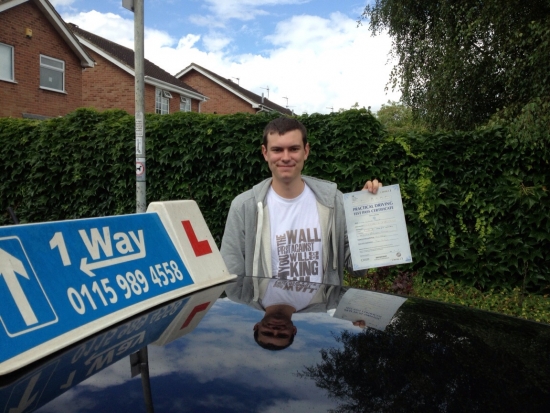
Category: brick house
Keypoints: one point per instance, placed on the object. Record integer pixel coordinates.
(110, 83)
(41, 61)
(224, 95)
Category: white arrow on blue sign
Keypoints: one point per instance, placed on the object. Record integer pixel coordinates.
(62, 281)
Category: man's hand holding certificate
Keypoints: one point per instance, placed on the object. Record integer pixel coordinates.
(377, 232)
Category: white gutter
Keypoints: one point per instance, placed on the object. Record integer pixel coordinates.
(102, 53)
(263, 108)
(10, 4)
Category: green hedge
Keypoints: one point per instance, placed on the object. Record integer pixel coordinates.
(476, 203)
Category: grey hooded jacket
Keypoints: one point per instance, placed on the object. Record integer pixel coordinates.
(246, 245)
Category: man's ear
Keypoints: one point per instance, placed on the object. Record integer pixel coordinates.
(264, 152)
(295, 330)
(306, 149)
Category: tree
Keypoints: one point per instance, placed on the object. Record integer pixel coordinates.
(459, 63)
(398, 118)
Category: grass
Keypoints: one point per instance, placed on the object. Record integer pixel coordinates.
(513, 303)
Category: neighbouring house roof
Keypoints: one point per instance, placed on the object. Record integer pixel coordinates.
(257, 101)
(123, 57)
(57, 22)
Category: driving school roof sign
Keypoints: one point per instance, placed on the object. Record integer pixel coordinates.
(63, 281)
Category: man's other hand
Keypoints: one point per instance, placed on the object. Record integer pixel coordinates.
(372, 186)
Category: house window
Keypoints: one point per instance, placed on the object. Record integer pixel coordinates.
(185, 104)
(162, 102)
(52, 73)
(6, 62)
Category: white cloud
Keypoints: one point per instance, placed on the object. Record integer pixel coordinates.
(61, 3)
(118, 373)
(319, 63)
(215, 42)
(108, 25)
(206, 21)
(243, 9)
(70, 402)
(188, 41)
(309, 31)
(157, 38)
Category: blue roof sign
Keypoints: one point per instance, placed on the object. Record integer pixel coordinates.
(63, 281)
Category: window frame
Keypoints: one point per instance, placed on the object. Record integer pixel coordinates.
(46, 66)
(12, 49)
(160, 100)
(186, 103)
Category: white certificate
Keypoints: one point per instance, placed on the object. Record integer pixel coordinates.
(377, 232)
(375, 309)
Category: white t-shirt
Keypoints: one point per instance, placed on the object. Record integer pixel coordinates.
(296, 246)
(294, 293)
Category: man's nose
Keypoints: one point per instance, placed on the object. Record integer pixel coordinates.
(286, 155)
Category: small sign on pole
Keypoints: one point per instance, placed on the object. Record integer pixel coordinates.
(128, 4)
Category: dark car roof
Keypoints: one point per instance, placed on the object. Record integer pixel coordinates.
(202, 357)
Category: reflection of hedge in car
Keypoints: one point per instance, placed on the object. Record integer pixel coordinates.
(422, 362)
(475, 202)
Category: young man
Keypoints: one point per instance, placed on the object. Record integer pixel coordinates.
(289, 226)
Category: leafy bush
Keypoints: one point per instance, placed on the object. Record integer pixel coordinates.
(514, 302)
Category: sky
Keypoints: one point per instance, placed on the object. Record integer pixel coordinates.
(307, 55)
(198, 358)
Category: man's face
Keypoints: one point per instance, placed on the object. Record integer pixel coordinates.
(285, 155)
(276, 330)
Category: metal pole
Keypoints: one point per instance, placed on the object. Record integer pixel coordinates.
(139, 66)
(139, 364)
(13, 216)
(145, 381)
(141, 204)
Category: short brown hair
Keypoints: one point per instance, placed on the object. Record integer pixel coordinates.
(283, 125)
